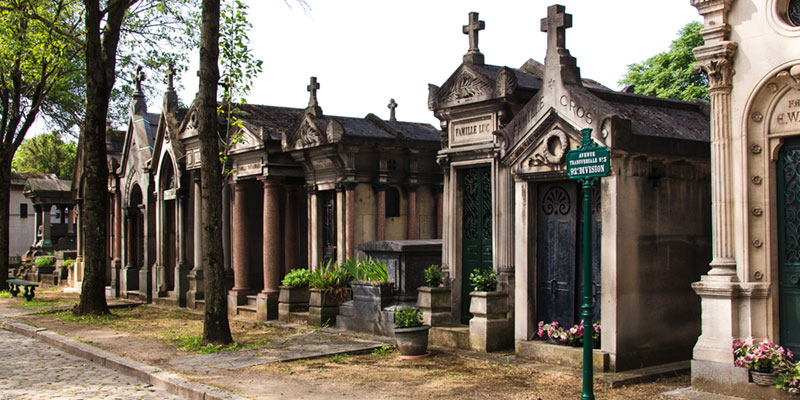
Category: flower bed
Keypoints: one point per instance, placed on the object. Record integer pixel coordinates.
(573, 336)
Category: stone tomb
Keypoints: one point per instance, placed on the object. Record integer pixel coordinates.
(508, 204)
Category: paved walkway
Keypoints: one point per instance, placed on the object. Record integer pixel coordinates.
(33, 370)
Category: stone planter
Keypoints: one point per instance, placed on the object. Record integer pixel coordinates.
(322, 307)
(365, 313)
(489, 328)
(379, 294)
(412, 341)
(435, 305)
(292, 300)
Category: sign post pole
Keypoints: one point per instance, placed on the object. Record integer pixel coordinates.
(586, 164)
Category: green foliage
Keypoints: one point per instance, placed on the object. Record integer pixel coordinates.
(68, 263)
(297, 278)
(669, 74)
(383, 351)
(46, 154)
(369, 270)
(5, 294)
(407, 317)
(194, 343)
(433, 276)
(329, 276)
(44, 261)
(483, 280)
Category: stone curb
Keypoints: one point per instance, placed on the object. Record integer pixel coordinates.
(168, 381)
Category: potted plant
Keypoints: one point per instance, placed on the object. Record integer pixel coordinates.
(764, 361)
(410, 333)
(789, 378)
(433, 299)
(489, 328)
(294, 293)
(370, 281)
(328, 290)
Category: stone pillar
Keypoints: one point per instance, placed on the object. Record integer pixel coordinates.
(117, 212)
(37, 222)
(341, 253)
(309, 230)
(720, 288)
(196, 274)
(315, 230)
(503, 217)
(290, 239)
(241, 243)
(439, 210)
(524, 325)
(71, 220)
(226, 234)
(267, 302)
(350, 212)
(46, 224)
(413, 233)
(380, 189)
(181, 268)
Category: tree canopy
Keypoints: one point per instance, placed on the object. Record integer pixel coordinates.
(669, 74)
(46, 153)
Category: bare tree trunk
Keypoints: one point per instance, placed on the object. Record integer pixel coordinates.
(215, 327)
(101, 56)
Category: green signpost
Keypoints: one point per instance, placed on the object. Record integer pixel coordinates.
(586, 164)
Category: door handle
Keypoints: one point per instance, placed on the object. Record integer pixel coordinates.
(553, 286)
(795, 279)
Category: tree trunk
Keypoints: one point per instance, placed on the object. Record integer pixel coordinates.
(5, 188)
(215, 326)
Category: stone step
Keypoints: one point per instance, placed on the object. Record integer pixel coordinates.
(648, 374)
(456, 336)
(251, 300)
(567, 356)
(249, 312)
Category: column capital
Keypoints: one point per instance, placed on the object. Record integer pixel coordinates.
(350, 185)
(45, 207)
(412, 186)
(311, 189)
(716, 61)
(380, 186)
(269, 181)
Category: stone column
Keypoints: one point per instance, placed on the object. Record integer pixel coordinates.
(117, 212)
(290, 239)
(315, 250)
(341, 252)
(412, 212)
(267, 303)
(439, 210)
(241, 243)
(309, 230)
(503, 217)
(350, 212)
(196, 274)
(380, 189)
(226, 234)
(46, 224)
(71, 220)
(524, 325)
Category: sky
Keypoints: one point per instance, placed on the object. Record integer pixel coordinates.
(366, 52)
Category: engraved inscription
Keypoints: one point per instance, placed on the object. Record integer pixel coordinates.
(473, 130)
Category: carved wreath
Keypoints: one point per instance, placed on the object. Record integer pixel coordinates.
(546, 157)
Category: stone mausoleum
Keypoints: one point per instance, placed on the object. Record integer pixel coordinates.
(509, 205)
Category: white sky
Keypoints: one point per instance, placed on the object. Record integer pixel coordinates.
(365, 52)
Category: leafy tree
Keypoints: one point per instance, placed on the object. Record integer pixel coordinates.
(46, 153)
(39, 66)
(669, 74)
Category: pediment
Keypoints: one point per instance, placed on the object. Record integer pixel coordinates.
(544, 148)
(245, 140)
(465, 86)
(308, 134)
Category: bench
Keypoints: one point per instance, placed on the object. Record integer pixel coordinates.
(15, 286)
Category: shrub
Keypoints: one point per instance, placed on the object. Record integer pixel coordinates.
(297, 278)
(44, 261)
(329, 276)
(407, 317)
(789, 379)
(483, 280)
(370, 270)
(433, 276)
(68, 263)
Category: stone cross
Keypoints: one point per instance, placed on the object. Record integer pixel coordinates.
(392, 105)
(312, 88)
(138, 78)
(472, 30)
(555, 25)
(171, 77)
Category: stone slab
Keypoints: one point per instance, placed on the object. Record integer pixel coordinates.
(456, 336)
(648, 374)
(297, 347)
(729, 380)
(562, 355)
(689, 394)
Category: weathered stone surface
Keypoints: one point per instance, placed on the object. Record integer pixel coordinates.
(455, 336)
(435, 305)
(562, 355)
(727, 379)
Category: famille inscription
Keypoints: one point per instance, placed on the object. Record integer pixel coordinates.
(472, 130)
(575, 108)
(792, 114)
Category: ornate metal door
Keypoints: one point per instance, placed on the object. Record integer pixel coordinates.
(788, 181)
(328, 203)
(476, 239)
(556, 253)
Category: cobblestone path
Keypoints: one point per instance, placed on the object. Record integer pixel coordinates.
(30, 369)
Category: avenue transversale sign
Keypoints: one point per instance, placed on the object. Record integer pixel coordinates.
(588, 163)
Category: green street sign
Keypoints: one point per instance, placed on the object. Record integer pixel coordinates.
(588, 163)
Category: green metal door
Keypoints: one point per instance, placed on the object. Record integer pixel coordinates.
(788, 181)
(476, 239)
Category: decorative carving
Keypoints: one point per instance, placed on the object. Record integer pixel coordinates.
(758, 275)
(466, 86)
(758, 243)
(308, 136)
(772, 88)
(756, 180)
(757, 116)
(716, 61)
(555, 146)
(755, 149)
(757, 211)
(433, 91)
(506, 82)
(334, 131)
(556, 201)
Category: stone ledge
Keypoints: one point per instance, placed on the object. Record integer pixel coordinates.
(729, 380)
(456, 336)
(561, 355)
(147, 373)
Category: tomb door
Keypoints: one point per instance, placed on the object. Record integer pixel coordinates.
(328, 202)
(476, 229)
(788, 185)
(556, 252)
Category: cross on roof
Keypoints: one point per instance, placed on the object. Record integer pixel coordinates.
(138, 78)
(392, 105)
(312, 88)
(472, 30)
(170, 76)
(555, 25)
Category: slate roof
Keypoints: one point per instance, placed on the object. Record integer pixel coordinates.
(36, 185)
(273, 120)
(525, 79)
(19, 178)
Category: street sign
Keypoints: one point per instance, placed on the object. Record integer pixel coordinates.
(588, 163)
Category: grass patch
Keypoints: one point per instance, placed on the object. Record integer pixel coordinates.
(383, 351)
(337, 358)
(40, 303)
(194, 343)
(5, 294)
